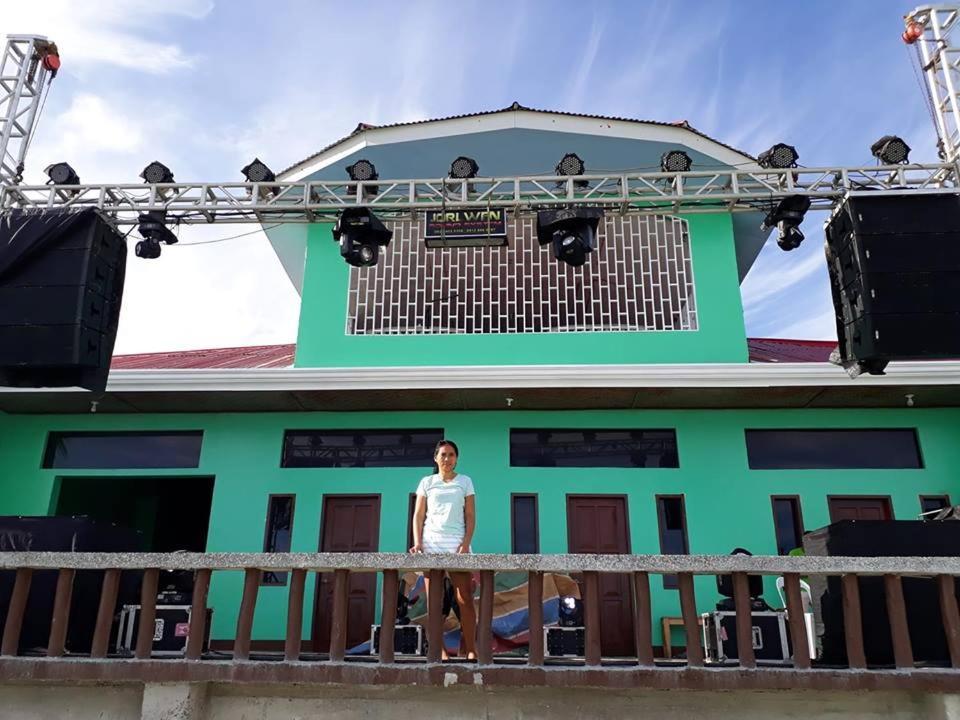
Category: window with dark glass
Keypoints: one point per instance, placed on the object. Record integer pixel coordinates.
(278, 534)
(128, 450)
(524, 528)
(787, 523)
(932, 503)
(833, 449)
(594, 448)
(672, 518)
(359, 448)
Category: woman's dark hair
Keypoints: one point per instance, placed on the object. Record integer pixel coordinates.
(451, 443)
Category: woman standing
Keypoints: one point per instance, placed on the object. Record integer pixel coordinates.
(444, 519)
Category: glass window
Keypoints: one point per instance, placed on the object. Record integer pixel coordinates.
(105, 450)
(359, 448)
(787, 524)
(833, 449)
(932, 503)
(672, 518)
(594, 448)
(525, 530)
(279, 534)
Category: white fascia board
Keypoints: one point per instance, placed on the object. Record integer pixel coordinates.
(525, 376)
(527, 120)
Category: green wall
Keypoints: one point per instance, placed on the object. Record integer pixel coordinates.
(721, 336)
(727, 504)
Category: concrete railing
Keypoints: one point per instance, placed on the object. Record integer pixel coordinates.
(940, 571)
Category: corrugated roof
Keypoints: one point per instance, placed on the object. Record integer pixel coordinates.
(762, 350)
(363, 127)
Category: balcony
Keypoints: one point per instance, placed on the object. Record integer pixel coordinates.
(293, 665)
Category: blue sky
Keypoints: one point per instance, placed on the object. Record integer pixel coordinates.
(205, 86)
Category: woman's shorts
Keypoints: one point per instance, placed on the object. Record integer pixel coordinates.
(436, 543)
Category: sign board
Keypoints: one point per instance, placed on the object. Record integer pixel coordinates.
(469, 227)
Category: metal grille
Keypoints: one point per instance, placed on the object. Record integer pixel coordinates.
(640, 277)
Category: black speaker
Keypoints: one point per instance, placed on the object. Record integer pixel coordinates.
(61, 283)
(894, 264)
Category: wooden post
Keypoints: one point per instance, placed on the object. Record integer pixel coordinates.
(897, 615)
(741, 601)
(643, 618)
(291, 645)
(946, 584)
(853, 622)
(535, 613)
(797, 622)
(148, 613)
(198, 614)
(691, 621)
(388, 614)
(593, 649)
(485, 619)
(18, 604)
(338, 627)
(61, 612)
(434, 621)
(248, 603)
(104, 623)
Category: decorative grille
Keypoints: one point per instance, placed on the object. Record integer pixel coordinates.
(640, 277)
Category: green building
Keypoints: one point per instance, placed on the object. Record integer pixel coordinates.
(614, 407)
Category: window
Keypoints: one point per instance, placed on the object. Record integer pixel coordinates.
(594, 448)
(359, 448)
(932, 503)
(672, 518)
(278, 534)
(787, 523)
(524, 527)
(105, 450)
(833, 449)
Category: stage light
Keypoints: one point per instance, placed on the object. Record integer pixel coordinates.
(463, 168)
(360, 234)
(257, 171)
(573, 232)
(61, 174)
(675, 161)
(571, 164)
(570, 612)
(147, 249)
(891, 150)
(157, 172)
(780, 155)
(363, 171)
(152, 227)
(787, 216)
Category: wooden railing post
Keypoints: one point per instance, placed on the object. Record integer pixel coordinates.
(535, 613)
(947, 587)
(796, 621)
(853, 622)
(248, 603)
(643, 618)
(434, 621)
(198, 614)
(61, 612)
(291, 645)
(338, 626)
(108, 603)
(18, 604)
(897, 615)
(388, 614)
(691, 621)
(148, 613)
(593, 650)
(485, 619)
(741, 602)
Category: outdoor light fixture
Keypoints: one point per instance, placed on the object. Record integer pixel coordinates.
(363, 171)
(157, 172)
(62, 174)
(152, 227)
(463, 168)
(891, 150)
(571, 164)
(257, 171)
(780, 155)
(787, 216)
(572, 231)
(675, 161)
(360, 234)
(570, 611)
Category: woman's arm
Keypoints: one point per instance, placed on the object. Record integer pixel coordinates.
(469, 522)
(419, 517)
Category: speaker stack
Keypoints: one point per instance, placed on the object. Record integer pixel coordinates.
(61, 282)
(894, 264)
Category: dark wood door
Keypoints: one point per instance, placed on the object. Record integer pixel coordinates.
(860, 508)
(598, 524)
(350, 523)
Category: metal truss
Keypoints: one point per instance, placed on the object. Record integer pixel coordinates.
(940, 62)
(730, 190)
(22, 77)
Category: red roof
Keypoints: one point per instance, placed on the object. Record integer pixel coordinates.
(763, 350)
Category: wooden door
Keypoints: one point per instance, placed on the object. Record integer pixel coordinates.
(853, 507)
(349, 523)
(598, 524)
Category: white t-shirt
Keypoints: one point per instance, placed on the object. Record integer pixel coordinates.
(445, 501)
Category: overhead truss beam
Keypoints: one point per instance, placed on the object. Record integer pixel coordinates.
(650, 193)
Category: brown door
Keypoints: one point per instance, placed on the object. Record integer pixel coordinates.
(350, 523)
(859, 508)
(598, 524)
